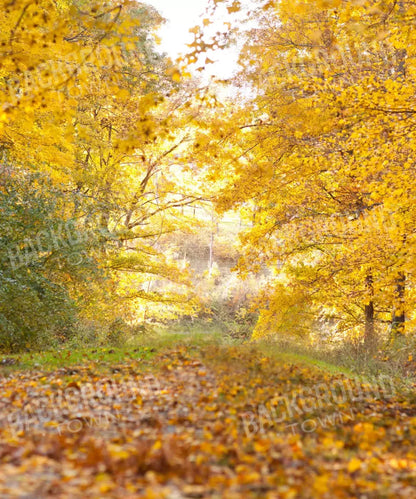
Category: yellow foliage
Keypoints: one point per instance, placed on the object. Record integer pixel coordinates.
(323, 152)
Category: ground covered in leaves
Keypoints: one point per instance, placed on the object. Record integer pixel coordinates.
(197, 422)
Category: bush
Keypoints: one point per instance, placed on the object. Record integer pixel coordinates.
(38, 266)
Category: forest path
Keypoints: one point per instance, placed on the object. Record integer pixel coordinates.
(210, 421)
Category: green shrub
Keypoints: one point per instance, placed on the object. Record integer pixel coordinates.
(40, 261)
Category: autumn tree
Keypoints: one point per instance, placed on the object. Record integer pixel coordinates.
(324, 152)
(90, 104)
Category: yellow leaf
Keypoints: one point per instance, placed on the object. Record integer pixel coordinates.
(321, 484)
(354, 465)
(123, 94)
(235, 7)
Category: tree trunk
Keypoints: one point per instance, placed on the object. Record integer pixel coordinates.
(369, 332)
(398, 315)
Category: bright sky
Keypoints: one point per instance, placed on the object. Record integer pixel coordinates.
(182, 15)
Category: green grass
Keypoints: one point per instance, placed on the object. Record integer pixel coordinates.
(52, 360)
(141, 349)
(342, 361)
(158, 342)
(303, 359)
